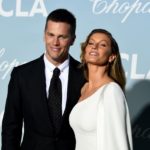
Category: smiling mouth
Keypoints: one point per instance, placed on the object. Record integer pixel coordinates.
(55, 49)
(93, 54)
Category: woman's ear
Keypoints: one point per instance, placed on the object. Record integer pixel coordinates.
(112, 58)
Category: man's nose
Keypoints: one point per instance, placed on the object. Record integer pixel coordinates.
(56, 41)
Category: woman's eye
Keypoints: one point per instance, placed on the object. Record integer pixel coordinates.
(102, 45)
(90, 43)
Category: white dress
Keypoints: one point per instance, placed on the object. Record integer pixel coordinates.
(102, 121)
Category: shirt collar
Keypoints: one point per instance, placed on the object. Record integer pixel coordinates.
(51, 67)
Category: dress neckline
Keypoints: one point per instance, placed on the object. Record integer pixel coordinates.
(101, 87)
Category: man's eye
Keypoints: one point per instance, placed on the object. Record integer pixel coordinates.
(49, 34)
(63, 37)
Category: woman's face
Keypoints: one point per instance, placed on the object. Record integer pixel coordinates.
(98, 50)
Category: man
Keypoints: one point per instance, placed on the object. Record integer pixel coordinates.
(29, 99)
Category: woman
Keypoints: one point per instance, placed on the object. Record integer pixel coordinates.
(100, 119)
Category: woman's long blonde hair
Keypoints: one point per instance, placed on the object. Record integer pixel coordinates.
(115, 69)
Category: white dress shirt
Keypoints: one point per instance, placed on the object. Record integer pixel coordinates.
(64, 69)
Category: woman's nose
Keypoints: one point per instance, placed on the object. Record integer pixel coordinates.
(95, 46)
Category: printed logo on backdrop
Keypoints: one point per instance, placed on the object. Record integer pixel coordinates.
(6, 66)
(125, 9)
(132, 72)
(141, 132)
(38, 7)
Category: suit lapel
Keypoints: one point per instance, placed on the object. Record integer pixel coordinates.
(40, 86)
(41, 83)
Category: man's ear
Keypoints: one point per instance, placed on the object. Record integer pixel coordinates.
(72, 40)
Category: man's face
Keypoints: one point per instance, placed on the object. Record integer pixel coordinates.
(57, 39)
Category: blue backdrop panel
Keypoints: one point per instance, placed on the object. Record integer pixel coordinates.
(21, 40)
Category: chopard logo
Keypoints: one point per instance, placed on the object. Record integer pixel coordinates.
(116, 7)
(5, 65)
(140, 132)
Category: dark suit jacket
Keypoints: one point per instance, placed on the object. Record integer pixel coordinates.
(26, 105)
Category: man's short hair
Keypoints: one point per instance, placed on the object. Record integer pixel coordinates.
(65, 16)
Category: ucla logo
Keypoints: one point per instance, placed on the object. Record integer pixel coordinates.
(133, 70)
(38, 7)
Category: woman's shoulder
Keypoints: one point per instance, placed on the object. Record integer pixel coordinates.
(114, 87)
(113, 94)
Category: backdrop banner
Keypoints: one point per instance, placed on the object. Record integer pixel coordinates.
(21, 40)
